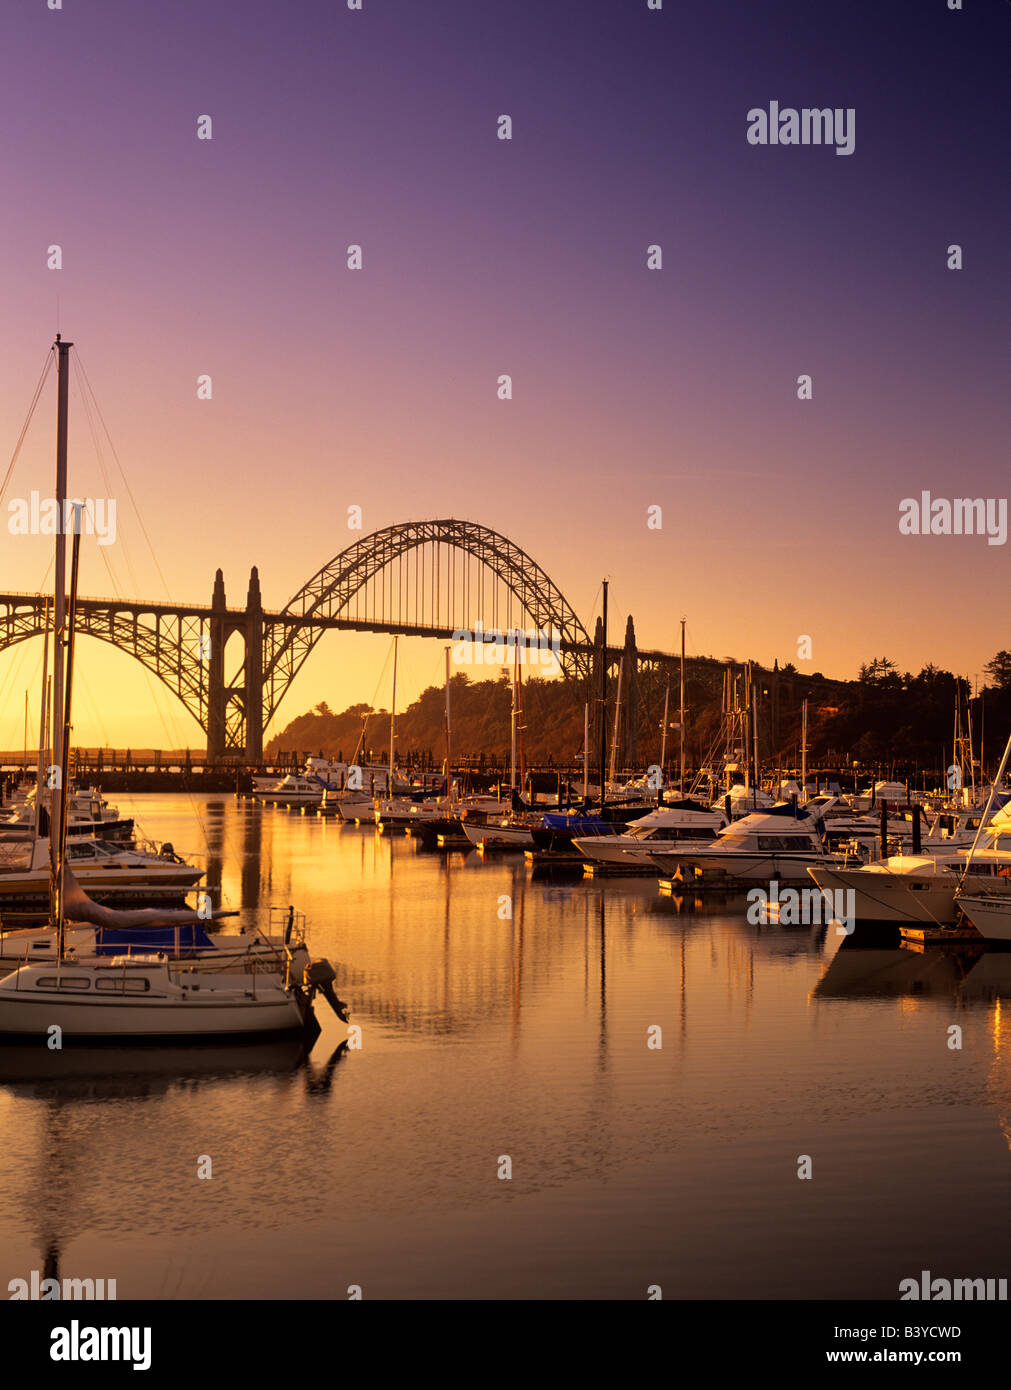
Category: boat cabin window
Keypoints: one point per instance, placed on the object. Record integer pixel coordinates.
(61, 982)
(129, 984)
(81, 852)
(771, 843)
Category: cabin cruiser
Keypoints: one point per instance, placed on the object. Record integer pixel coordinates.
(920, 889)
(323, 778)
(507, 833)
(895, 793)
(779, 843)
(989, 911)
(88, 813)
(106, 869)
(678, 821)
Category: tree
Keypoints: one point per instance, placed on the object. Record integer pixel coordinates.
(1000, 670)
(877, 669)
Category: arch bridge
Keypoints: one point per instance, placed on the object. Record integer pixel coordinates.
(422, 579)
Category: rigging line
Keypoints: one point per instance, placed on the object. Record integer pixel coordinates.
(13, 675)
(106, 478)
(170, 736)
(28, 419)
(89, 417)
(126, 481)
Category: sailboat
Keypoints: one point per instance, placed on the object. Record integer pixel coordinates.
(143, 997)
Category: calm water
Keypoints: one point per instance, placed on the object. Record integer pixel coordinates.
(485, 1036)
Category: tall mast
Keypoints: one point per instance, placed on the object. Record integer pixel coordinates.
(60, 595)
(62, 799)
(617, 717)
(586, 751)
(449, 775)
(43, 728)
(393, 717)
(663, 732)
(603, 699)
(682, 706)
(803, 750)
(512, 724)
(754, 735)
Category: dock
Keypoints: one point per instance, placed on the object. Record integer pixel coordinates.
(940, 936)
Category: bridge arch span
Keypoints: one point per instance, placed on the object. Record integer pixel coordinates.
(329, 594)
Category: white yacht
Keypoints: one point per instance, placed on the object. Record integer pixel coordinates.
(88, 813)
(321, 778)
(507, 833)
(920, 889)
(780, 844)
(680, 824)
(104, 868)
(989, 911)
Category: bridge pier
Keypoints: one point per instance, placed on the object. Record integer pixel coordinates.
(216, 674)
(253, 690)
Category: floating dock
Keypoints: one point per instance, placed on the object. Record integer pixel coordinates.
(940, 936)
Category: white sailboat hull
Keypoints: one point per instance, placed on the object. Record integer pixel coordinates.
(36, 997)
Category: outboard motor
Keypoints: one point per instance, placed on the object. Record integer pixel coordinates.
(319, 975)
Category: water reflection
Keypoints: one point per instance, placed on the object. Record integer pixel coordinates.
(504, 1012)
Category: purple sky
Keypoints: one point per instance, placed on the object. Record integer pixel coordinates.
(631, 388)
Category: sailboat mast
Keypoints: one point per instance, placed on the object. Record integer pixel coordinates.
(603, 698)
(512, 724)
(60, 583)
(586, 752)
(43, 727)
(65, 742)
(617, 717)
(803, 750)
(449, 775)
(393, 718)
(682, 707)
(663, 733)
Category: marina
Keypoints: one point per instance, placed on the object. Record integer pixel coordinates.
(545, 1012)
(505, 725)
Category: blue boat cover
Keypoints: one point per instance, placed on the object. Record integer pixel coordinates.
(579, 825)
(115, 941)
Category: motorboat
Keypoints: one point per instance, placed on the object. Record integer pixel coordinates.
(780, 843)
(680, 822)
(106, 869)
(507, 833)
(920, 889)
(988, 911)
(88, 813)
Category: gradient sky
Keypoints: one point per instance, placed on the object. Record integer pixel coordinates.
(527, 257)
